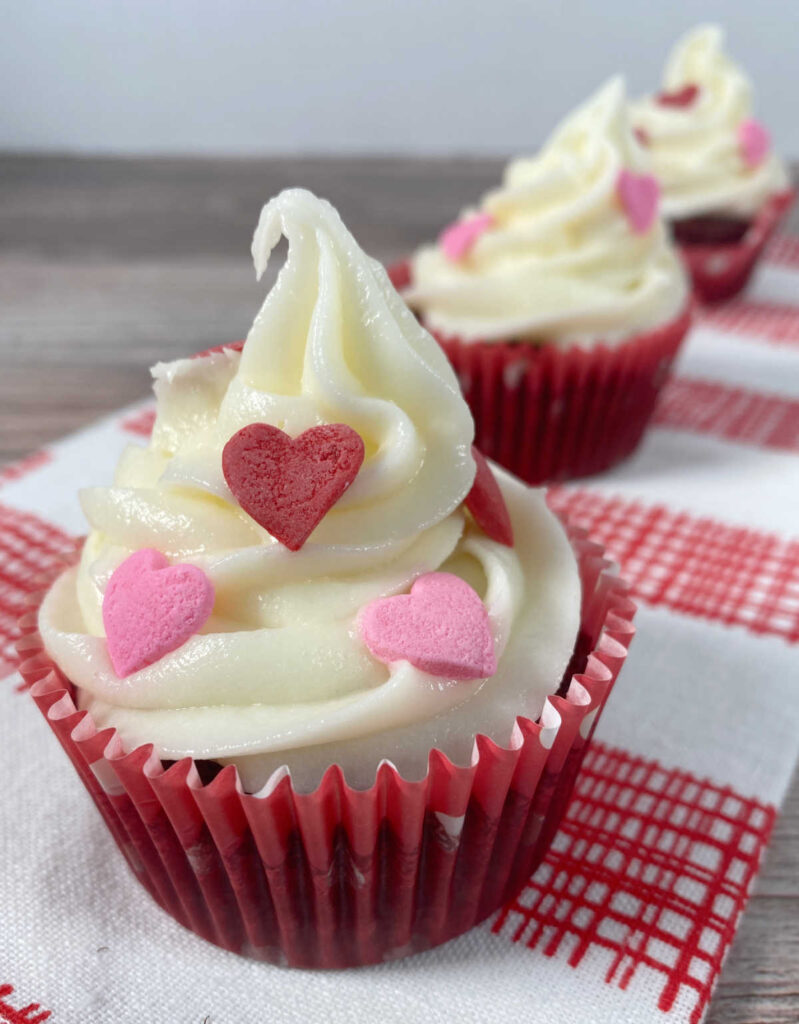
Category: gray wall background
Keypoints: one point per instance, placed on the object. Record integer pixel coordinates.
(365, 76)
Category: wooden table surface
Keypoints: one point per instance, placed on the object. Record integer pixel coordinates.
(107, 266)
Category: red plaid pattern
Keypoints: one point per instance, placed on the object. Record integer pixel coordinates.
(28, 547)
(140, 423)
(651, 865)
(15, 470)
(783, 251)
(768, 320)
(30, 1014)
(697, 566)
(708, 407)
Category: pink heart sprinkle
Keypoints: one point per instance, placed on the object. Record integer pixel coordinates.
(458, 238)
(151, 608)
(639, 194)
(441, 627)
(754, 142)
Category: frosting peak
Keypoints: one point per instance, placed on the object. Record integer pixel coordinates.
(559, 262)
(597, 129)
(333, 343)
(692, 128)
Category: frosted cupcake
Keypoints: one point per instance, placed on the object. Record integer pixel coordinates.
(324, 642)
(560, 300)
(724, 188)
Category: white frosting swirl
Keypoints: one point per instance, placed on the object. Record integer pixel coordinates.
(695, 149)
(561, 263)
(279, 673)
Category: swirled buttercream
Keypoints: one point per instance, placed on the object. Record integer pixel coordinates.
(279, 674)
(559, 262)
(696, 146)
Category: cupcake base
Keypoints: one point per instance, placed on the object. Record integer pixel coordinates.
(709, 230)
(547, 413)
(721, 267)
(341, 877)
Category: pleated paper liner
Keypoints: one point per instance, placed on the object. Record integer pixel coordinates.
(340, 877)
(548, 413)
(720, 270)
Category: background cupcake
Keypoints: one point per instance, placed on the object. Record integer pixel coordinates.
(376, 682)
(560, 301)
(724, 188)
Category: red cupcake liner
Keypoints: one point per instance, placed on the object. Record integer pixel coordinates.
(341, 877)
(721, 270)
(547, 413)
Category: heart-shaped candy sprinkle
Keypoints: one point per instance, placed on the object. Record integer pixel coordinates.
(441, 627)
(151, 608)
(683, 97)
(639, 195)
(487, 505)
(754, 142)
(458, 238)
(288, 484)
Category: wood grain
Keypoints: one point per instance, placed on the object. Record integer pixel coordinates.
(107, 266)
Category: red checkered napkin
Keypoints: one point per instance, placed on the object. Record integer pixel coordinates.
(631, 914)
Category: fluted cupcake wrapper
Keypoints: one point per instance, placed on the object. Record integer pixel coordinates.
(549, 413)
(341, 877)
(720, 271)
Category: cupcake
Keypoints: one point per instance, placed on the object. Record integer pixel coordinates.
(559, 300)
(318, 663)
(724, 189)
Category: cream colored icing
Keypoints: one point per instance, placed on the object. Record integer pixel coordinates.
(695, 149)
(561, 263)
(279, 673)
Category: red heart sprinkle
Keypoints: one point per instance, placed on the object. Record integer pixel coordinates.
(679, 98)
(151, 608)
(288, 485)
(487, 505)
